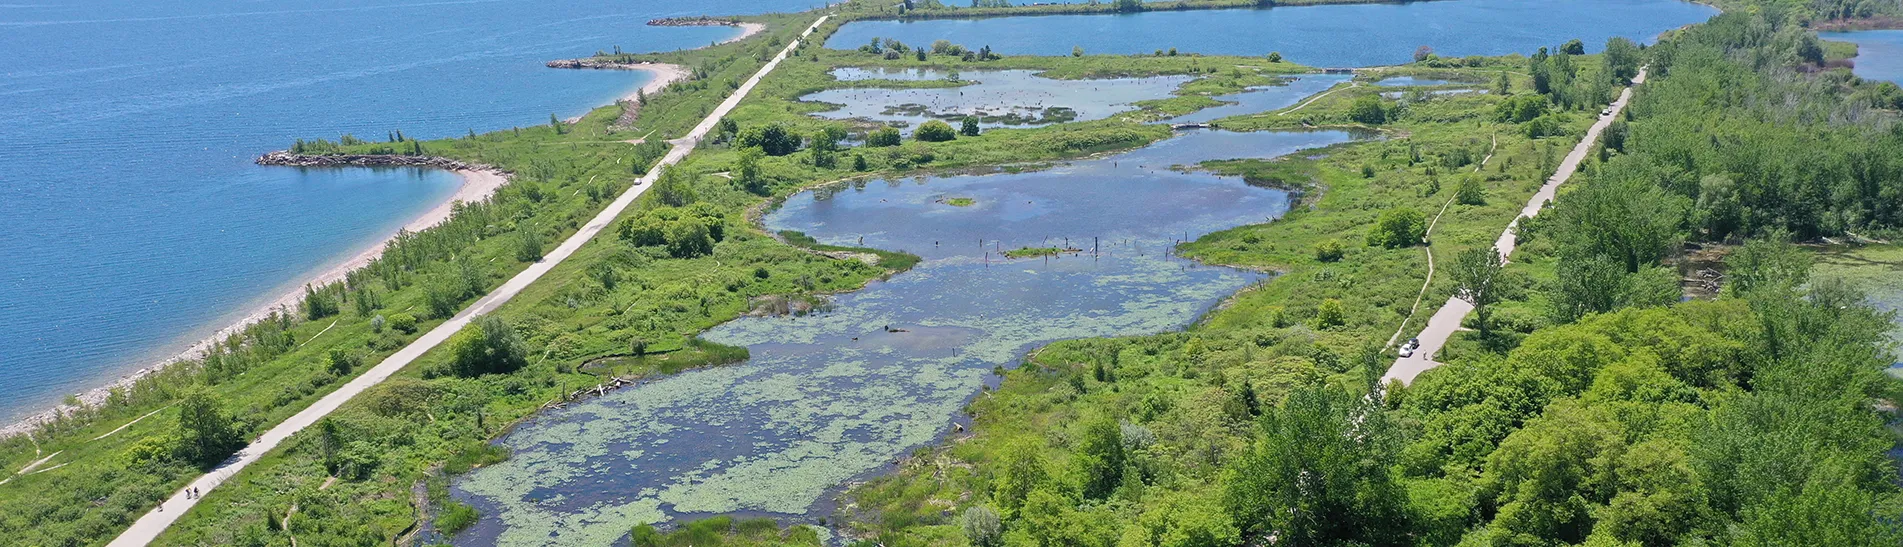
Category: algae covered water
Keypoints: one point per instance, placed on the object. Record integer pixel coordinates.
(834, 396)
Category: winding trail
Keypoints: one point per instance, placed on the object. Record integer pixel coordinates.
(1442, 325)
(155, 522)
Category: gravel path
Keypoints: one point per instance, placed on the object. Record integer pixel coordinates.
(1442, 325)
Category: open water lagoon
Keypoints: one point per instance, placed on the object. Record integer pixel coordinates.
(834, 396)
(1328, 35)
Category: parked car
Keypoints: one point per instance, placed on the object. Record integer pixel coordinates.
(1407, 349)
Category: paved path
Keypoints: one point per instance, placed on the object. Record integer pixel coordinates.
(1442, 325)
(148, 527)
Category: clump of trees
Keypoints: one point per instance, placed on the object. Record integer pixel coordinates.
(684, 232)
(1398, 227)
(488, 345)
(934, 131)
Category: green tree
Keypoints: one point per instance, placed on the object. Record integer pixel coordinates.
(1502, 86)
(1470, 191)
(341, 361)
(528, 247)
(487, 345)
(1077, 51)
(884, 136)
(1318, 473)
(1770, 265)
(1330, 314)
(776, 139)
(1573, 47)
(206, 434)
(1398, 227)
(1476, 275)
(746, 171)
(970, 127)
(1275, 56)
(1100, 458)
(1621, 59)
(935, 131)
(1021, 468)
(1368, 109)
(675, 187)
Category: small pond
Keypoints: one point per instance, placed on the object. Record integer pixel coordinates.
(1342, 35)
(998, 98)
(832, 397)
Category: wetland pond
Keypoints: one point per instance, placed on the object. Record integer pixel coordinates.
(997, 97)
(829, 398)
(1021, 98)
(1340, 35)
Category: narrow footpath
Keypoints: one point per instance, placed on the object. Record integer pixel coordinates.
(1442, 325)
(148, 527)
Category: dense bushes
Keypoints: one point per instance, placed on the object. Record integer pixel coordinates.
(487, 345)
(1398, 227)
(935, 131)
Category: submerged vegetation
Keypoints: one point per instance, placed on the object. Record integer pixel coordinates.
(1588, 406)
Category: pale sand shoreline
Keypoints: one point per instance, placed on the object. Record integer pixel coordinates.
(477, 185)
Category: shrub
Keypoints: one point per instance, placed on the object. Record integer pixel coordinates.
(404, 323)
(1330, 314)
(488, 345)
(1328, 251)
(935, 131)
(774, 138)
(1398, 227)
(1470, 191)
(982, 526)
(884, 136)
(1368, 109)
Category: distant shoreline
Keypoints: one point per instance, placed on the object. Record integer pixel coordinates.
(478, 183)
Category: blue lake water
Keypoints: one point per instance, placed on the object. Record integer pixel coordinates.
(1879, 52)
(135, 220)
(1332, 35)
(833, 396)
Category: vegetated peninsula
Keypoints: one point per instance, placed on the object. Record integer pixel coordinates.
(1654, 362)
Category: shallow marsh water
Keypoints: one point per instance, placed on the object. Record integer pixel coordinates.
(1879, 52)
(1265, 98)
(999, 97)
(832, 397)
(1343, 35)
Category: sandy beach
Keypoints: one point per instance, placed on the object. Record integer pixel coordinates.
(477, 185)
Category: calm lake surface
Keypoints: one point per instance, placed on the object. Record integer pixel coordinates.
(831, 397)
(135, 220)
(1330, 36)
(1879, 52)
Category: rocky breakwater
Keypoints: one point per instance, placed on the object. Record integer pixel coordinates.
(702, 21)
(595, 63)
(288, 159)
